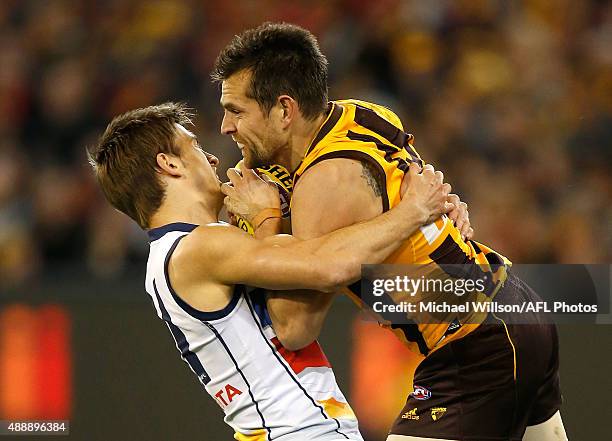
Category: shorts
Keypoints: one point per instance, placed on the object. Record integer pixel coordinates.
(489, 385)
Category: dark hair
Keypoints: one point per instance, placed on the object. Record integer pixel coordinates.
(283, 59)
(125, 158)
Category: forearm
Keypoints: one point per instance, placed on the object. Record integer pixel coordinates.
(371, 241)
(298, 315)
(269, 227)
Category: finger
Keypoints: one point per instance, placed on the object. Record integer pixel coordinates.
(228, 189)
(454, 214)
(249, 174)
(234, 176)
(415, 167)
(429, 168)
(465, 225)
(461, 216)
(268, 180)
(439, 176)
(446, 188)
(413, 170)
(453, 199)
(447, 207)
(227, 202)
(429, 173)
(230, 204)
(459, 224)
(465, 229)
(470, 234)
(233, 220)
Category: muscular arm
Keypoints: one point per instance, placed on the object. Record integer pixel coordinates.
(213, 257)
(354, 195)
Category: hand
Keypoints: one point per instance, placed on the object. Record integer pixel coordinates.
(426, 192)
(460, 217)
(247, 194)
(233, 220)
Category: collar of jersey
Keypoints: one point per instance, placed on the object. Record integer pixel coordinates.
(159, 232)
(334, 113)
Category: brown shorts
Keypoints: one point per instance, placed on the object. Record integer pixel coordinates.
(473, 390)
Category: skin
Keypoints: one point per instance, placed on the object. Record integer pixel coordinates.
(282, 136)
(214, 257)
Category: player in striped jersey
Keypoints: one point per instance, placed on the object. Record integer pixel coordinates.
(152, 168)
(348, 158)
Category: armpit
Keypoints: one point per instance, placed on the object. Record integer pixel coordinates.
(371, 176)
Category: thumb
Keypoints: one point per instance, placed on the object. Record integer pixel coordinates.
(413, 170)
(267, 179)
(249, 174)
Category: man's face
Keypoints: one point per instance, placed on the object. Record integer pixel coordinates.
(258, 136)
(200, 166)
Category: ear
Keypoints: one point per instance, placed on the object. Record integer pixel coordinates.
(169, 164)
(288, 108)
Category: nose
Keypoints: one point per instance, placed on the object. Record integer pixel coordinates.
(212, 159)
(227, 125)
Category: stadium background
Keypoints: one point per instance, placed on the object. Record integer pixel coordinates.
(512, 100)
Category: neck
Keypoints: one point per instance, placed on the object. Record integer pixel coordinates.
(299, 141)
(191, 212)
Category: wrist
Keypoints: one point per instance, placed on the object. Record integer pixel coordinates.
(269, 227)
(416, 211)
(264, 215)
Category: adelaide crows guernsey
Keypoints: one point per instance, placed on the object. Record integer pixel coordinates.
(265, 391)
(373, 134)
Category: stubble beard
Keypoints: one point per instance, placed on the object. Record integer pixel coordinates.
(256, 159)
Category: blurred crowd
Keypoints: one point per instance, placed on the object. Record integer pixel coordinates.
(512, 100)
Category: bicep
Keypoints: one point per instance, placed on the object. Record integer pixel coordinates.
(331, 195)
(278, 262)
(334, 194)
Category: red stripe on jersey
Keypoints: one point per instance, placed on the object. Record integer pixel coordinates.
(310, 356)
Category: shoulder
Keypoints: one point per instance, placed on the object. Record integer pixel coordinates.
(380, 110)
(342, 176)
(330, 195)
(205, 245)
(328, 175)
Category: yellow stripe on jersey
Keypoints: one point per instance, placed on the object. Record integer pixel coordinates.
(256, 435)
(337, 409)
(371, 133)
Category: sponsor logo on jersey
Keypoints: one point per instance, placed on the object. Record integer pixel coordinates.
(437, 413)
(226, 395)
(420, 393)
(411, 415)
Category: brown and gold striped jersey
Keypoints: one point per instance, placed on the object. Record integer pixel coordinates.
(373, 134)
